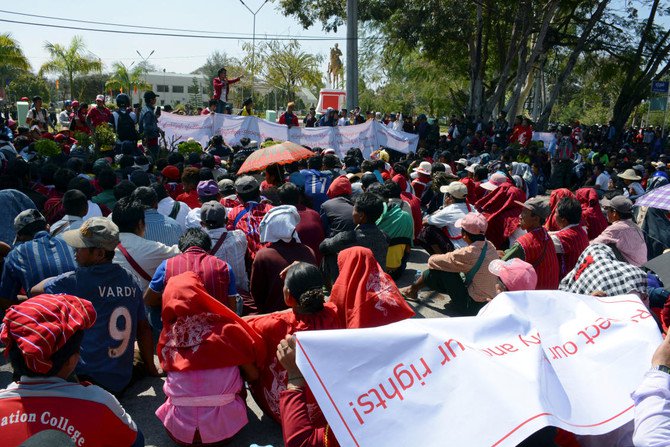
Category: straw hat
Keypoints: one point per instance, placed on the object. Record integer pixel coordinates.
(630, 174)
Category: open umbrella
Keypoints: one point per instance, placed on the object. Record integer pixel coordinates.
(282, 153)
(656, 198)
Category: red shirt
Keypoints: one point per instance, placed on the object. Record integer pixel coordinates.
(289, 119)
(190, 198)
(99, 115)
(265, 285)
(220, 85)
(88, 414)
(249, 220)
(53, 208)
(574, 241)
(273, 328)
(212, 271)
(298, 428)
(310, 230)
(540, 253)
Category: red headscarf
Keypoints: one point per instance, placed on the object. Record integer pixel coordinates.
(364, 294)
(501, 212)
(272, 328)
(592, 215)
(41, 326)
(201, 333)
(556, 196)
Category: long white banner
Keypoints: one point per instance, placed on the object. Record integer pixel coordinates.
(368, 136)
(530, 359)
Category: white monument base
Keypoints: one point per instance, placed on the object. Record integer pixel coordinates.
(335, 98)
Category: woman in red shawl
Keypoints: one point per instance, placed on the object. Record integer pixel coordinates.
(502, 213)
(364, 294)
(303, 293)
(592, 215)
(554, 198)
(205, 349)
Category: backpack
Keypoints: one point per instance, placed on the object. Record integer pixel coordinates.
(125, 128)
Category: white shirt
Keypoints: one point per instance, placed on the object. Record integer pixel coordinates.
(193, 218)
(165, 207)
(232, 251)
(602, 181)
(64, 118)
(93, 211)
(147, 254)
(343, 122)
(67, 223)
(639, 190)
(447, 217)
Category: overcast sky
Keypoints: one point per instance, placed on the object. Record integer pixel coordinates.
(175, 54)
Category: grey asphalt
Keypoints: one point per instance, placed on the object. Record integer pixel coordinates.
(144, 397)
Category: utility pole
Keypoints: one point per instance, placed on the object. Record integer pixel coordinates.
(352, 54)
(253, 44)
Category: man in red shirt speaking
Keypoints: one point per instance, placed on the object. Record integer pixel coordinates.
(221, 85)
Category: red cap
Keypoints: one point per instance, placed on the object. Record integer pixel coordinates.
(341, 186)
(170, 172)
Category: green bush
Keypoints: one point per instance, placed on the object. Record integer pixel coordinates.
(47, 148)
(188, 147)
(104, 137)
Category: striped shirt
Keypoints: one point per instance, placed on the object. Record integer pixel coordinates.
(232, 251)
(216, 276)
(161, 228)
(33, 261)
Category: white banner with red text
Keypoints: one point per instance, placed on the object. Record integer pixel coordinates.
(368, 136)
(528, 360)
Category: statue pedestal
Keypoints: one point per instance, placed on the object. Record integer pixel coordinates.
(335, 98)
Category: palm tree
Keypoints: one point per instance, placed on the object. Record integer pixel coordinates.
(126, 79)
(70, 61)
(12, 59)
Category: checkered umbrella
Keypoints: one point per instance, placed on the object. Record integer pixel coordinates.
(282, 153)
(656, 198)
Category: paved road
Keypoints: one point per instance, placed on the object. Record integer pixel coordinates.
(144, 397)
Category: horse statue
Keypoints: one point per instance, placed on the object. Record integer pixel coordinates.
(335, 66)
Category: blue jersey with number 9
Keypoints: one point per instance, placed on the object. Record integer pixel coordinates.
(107, 347)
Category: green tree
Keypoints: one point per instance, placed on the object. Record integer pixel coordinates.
(27, 84)
(70, 61)
(12, 59)
(126, 79)
(285, 66)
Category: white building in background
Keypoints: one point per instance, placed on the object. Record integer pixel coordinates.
(176, 88)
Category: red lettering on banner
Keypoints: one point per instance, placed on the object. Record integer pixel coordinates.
(402, 379)
(500, 350)
(426, 371)
(446, 356)
(561, 352)
(642, 314)
(533, 340)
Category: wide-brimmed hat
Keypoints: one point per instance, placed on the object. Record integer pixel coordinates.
(424, 168)
(630, 174)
